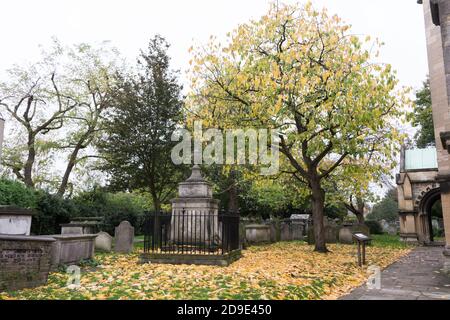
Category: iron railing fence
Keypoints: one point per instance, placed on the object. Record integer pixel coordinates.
(191, 232)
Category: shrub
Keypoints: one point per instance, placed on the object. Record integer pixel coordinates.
(17, 194)
(386, 209)
(374, 227)
(114, 208)
(51, 211)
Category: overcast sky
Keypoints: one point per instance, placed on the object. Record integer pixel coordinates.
(24, 24)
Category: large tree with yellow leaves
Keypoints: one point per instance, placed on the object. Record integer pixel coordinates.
(300, 71)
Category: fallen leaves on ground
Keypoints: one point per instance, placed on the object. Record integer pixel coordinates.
(287, 270)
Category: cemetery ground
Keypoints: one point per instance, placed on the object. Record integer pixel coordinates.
(285, 270)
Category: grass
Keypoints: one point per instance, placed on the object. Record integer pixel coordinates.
(285, 270)
(389, 241)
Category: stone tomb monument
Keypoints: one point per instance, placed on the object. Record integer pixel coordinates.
(195, 208)
(15, 221)
(72, 248)
(124, 236)
(81, 225)
(194, 233)
(25, 261)
(257, 233)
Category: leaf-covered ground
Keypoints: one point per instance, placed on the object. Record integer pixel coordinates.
(277, 271)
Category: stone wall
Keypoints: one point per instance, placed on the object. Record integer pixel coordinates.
(412, 186)
(24, 261)
(438, 47)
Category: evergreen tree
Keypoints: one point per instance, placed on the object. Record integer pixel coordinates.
(146, 109)
(423, 117)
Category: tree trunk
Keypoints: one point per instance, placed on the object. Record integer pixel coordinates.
(360, 218)
(156, 203)
(360, 215)
(318, 204)
(233, 206)
(28, 168)
(65, 180)
(156, 222)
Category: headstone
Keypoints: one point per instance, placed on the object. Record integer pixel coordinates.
(124, 236)
(297, 229)
(384, 225)
(346, 235)
(331, 234)
(273, 231)
(389, 227)
(103, 242)
(286, 233)
(242, 237)
(347, 230)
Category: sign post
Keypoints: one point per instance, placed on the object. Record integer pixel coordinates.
(361, 240)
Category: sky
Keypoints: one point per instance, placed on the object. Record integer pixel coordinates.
(128, 25)
(26, 24)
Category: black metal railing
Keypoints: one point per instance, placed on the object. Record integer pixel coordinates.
(191, 232)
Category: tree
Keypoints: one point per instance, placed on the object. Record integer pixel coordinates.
(353, 183)
(57, 103)
(146, 109)
(301, 72)
(422, 117)
(386, 209)
(26, 98)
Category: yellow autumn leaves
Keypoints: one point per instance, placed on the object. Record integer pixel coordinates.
(278, 271)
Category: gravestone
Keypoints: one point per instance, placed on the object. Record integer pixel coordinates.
(298, 228)
(331, 234)
(331, 231)
(103, 242)
(347, 230)
(124, 236)
(389, 227)
(274, 234)
(346, 234)
(286, 232)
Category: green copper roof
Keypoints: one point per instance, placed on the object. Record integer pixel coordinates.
(417, 159)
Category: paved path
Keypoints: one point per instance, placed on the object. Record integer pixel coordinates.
(417, 276)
